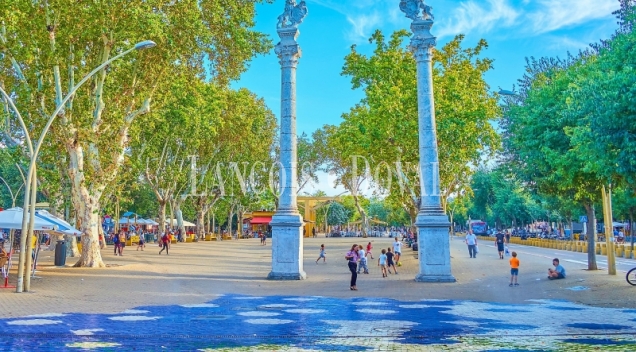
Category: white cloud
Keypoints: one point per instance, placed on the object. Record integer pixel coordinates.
(567, 43)
(470, 16)
(363, 25)
(552, 15)
(526, 18)
(364, 16)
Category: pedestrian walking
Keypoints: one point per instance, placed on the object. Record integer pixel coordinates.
(115, 238)
(122, 243)
(397, 251)
(322, 254)
(362, 265)
(352, 262)
(165, 243)
(471, 241)
(514, 269)
(313, 232)
(141, 244)
(369, 248)
(389, 261)
(499, 242)
(382, 263)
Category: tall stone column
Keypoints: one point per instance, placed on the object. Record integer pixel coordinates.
(287, 224)
(432, 223)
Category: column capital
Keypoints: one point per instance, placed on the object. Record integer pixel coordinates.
(422, 41)
(288, 54)
(288, 50)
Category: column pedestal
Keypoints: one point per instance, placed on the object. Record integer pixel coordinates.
(287, 247)
(433, 248)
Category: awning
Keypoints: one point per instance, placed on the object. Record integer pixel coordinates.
(260, 220)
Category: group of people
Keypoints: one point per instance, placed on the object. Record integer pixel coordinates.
(119, 242)
(358, 263)
(501, 239)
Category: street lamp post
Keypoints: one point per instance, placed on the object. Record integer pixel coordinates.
(31, 184)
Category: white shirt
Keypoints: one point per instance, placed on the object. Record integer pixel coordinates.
(621, 234)
(397, 247)
(471, 239)
(362, 255)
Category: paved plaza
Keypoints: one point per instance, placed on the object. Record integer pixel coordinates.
(214, 296)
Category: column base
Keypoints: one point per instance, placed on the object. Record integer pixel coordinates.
(287, 276)
(433, 246)
(435, 279)
(287, 247)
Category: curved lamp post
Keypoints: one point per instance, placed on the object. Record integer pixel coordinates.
(31, 185)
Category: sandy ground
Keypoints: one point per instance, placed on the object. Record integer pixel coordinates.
(197, 272)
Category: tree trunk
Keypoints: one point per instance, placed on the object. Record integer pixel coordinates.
(201, 211)
(179, 215)
(363, 216)
(162, 217)
(91, 255)
(591, 237)
(631, 229)
(413, 216)
(229, 221)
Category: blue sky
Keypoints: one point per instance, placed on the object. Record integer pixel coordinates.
(514, 29)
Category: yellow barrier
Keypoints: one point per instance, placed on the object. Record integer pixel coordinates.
(603, 249)
(208, 237)
(627, 253)
(79, 246)
(619, 250)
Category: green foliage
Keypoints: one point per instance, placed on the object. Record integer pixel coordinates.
(384, 125)
(337, 214)
(501, 200)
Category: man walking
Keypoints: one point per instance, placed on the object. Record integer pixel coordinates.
(471, 241)
(499, 242)
(397, 250)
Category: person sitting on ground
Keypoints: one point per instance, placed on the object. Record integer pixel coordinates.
(621, 236)
(558, 272)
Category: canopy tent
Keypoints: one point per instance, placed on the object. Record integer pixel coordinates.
(173, 222)
(260, 220)
(62, 226)
(12, 219)
(126, 221)
(619, 224)
(151, 222)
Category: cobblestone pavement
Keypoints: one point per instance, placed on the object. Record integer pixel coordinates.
(272, 323)
(214, 297)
